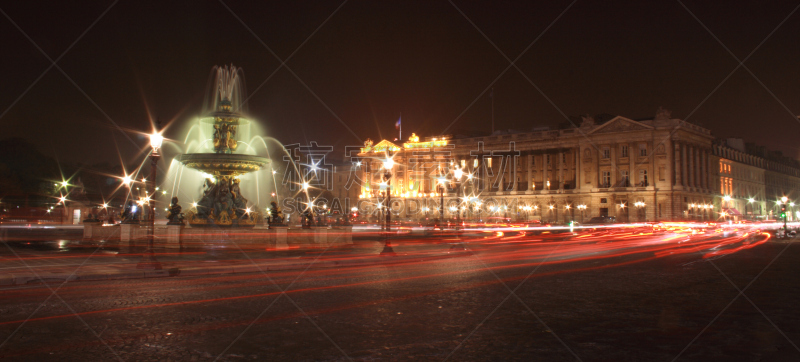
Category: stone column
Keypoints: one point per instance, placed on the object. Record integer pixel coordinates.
(705, 168)
(652, 167)
(529, 171)
(614, 170)
(480, 179)
(697, 167)
(545, 175)
(577, 162)
(514, 170)
(676, 165)
(683, 165)
(597, 177)
(560, 164)
(632, 164)
(670, 164)
(691, 165)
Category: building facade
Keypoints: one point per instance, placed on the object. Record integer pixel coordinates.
(633, 170)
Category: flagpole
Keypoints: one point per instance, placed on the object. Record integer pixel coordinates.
(401, 126)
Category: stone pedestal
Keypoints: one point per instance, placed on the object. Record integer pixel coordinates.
(174, 236)
(280, 237)
(341, 234)
(320, 235)
(127, 233)
(88, 228)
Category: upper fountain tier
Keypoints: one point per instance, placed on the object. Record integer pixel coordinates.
(225, 120)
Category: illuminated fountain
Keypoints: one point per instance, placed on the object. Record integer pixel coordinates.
(222, 202)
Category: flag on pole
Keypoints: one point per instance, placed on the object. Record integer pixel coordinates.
(399, 126)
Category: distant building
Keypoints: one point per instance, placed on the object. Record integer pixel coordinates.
(635, 170)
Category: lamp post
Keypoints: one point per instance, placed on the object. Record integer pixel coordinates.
(440, 187)
(457, 175)
(387, 177)
(148, 257)
(639, 208)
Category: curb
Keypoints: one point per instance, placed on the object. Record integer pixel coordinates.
(30, 278)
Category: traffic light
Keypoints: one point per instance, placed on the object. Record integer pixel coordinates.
(783, 210)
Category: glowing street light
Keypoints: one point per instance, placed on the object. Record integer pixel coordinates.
(784, 199)
(751, 200)
(155, 141)
(727, 198)
(148, 257)
(388, 164)
(305, 185)
(458, 173)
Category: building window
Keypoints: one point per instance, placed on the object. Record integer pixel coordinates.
(606, 152)
(643, 178)
(489, 162)
(475, 163)
(606, 179)
(548, 160)
(624, 178)
(603, 200)
(463, 163)
(624, 151)
(661, 173)
(643, 150)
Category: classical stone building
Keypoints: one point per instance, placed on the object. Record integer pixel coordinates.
(635, 170)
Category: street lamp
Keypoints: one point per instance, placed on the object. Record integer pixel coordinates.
(441, 202)
(582, 207)
(639, 210)
(148, 258)
(457, 174)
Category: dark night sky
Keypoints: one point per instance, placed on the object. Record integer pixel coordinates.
(373, 60)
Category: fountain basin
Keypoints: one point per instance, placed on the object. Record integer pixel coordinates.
(223, 163)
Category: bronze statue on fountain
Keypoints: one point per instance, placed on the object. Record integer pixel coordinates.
(175, 216)
(275, 215)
